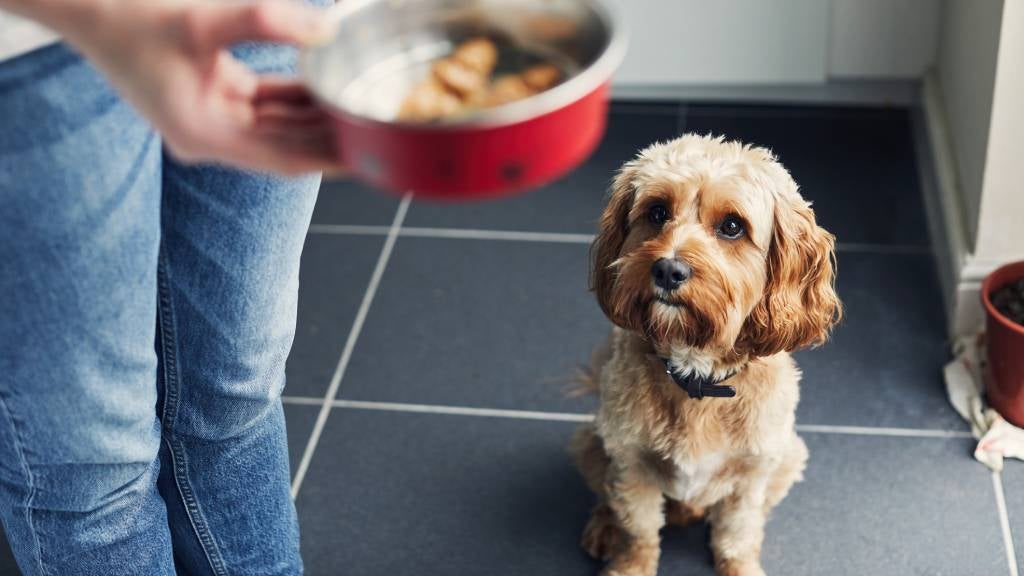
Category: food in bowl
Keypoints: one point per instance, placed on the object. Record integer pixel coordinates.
(462, 83)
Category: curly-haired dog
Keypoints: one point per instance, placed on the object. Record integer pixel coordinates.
(712, 268)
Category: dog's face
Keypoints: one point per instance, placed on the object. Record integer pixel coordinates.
(708, 244)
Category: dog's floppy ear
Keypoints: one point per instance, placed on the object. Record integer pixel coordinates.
(612, 231)
(799, 305)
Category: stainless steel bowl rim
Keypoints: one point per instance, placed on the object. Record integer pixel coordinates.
(572, 90)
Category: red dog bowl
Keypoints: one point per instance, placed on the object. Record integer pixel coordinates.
(384, 47)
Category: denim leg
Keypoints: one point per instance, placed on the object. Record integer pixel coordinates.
(229, 273)
(228, 288)
(79, 237)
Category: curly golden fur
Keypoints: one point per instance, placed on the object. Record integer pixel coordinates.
(653, 454)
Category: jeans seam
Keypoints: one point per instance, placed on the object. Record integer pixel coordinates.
(179, 461)
(30, 479)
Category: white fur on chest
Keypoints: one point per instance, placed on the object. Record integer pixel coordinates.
(692, 478)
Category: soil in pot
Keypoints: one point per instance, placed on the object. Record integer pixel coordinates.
(1009, 300)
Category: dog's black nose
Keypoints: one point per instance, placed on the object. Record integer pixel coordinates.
(669, 273)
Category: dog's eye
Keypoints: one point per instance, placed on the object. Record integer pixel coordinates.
(731, 227)
(658, 214)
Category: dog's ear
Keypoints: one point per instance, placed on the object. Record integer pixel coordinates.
(612, 230)
(799, 305)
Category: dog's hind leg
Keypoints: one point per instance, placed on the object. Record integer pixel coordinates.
(587, 450)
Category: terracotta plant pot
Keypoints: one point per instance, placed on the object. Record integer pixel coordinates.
(1005, 349)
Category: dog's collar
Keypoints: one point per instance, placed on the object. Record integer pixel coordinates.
(698, 386)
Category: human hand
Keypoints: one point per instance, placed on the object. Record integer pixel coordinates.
(169, 59)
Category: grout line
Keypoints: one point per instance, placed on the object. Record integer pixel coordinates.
(1004, 522)
(459, 233)
(350, 343)
(557, 237)
(463, 411)
(473, 234)
(348, 229)
(302, 401)
(881, 431)
(576, 417)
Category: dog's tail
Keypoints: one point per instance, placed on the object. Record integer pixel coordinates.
(588, 378)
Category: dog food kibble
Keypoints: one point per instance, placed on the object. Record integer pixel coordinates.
(507, 89)
(541, 77)
(462, 83)
(480, 54)
(429, 101)
(459, 78)
(1009, 300)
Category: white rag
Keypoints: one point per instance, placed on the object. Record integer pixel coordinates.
(965, 385)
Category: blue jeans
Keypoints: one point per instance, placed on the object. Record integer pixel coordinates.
(146, 312)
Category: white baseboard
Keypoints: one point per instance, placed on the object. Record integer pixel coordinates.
(848, 93)
(961, 272)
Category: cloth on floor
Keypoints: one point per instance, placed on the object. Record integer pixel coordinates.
(965, 385)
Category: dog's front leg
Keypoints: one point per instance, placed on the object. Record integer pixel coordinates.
(737, 529)
(637, 502)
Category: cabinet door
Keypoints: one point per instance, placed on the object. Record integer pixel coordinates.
(724, 42)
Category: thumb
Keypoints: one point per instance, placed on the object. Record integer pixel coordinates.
(288, 22)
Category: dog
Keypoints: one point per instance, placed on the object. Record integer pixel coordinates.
(712, 268)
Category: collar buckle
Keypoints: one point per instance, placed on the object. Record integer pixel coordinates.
(698, 387)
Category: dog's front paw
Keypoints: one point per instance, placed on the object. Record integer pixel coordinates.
(739, 568)
(602, 537)
(636, 560)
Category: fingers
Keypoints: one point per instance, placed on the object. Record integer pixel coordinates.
(217, 25)
(286, 145)
(237, 80)
(287, 105)
(283, 90)
(257, 123)
(277, 153)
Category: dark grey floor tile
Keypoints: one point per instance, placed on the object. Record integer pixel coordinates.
(8, 567)
(393, 493)
(856, 165)
(398, 494)
(332, 281)
(348, 201)
(1013, 490)
(300, 420)
(478, 323)
(887, 507)
(571, 204)
(883, 366)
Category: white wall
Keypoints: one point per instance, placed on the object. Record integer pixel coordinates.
(739, 41)
(1000, 234)
(969, 42)
(777, 42)
(883, 38)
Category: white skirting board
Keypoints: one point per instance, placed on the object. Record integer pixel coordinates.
(961, 272)
(843, 93)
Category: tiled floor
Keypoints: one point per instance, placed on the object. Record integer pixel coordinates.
(447, 343)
